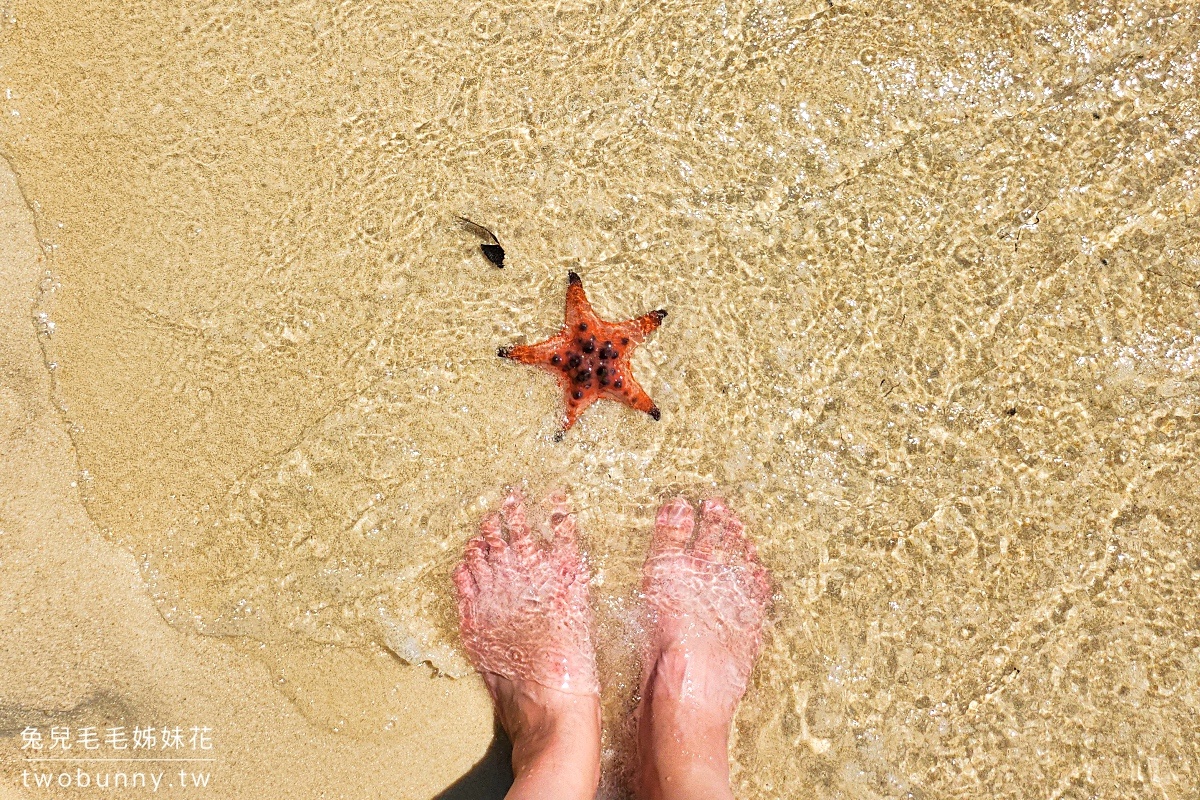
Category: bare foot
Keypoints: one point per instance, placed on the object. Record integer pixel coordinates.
(707, 597)
(526, 626)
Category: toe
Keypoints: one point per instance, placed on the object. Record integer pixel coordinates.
(512, 511)
(493, 544)
(733, 540)
(562, 527)
(711, 530)
(475, 559)
(465, 587)
(673, 526)
(751, 552)
(758, 577)
(761, 588)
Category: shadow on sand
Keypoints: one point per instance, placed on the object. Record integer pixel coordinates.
(491, 776)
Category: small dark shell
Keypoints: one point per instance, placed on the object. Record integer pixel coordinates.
(491, 248)
(494, 253)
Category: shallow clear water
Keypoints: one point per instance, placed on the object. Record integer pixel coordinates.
(934, 294)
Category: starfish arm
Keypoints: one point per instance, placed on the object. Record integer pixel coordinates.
(575, 407)
(579, 310)
(590, 357)
(638, 329)
(539, 354)
(634, 396)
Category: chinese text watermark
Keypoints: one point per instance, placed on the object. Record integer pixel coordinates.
(117, 757)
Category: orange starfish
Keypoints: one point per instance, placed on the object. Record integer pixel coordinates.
(590, 357)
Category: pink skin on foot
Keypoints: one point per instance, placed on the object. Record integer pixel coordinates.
(523, 602)
(707, 597)
(525, 622)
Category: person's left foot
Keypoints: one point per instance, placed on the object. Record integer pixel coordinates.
(526, 625)
(707, 595)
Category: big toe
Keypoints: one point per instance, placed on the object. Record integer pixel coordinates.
(714, 518)
(512, 511)
(475, 561)
(673, 525)
(464, 583)
(563, 533)
(733, 540)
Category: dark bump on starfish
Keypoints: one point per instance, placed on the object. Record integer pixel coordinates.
(602, 372)
(578, 395)
(556, 359)
(583, 326)
(504, 352)
(624, 340)
(574, 361)
(655, 414)
(659, 315)
(589, 347)
(618, 383)
(573, 277)
(583, 375)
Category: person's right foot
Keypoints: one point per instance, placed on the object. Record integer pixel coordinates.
(526, 625)
(707, 597)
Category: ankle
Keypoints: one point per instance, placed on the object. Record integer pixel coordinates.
(683, 735)
(679, 747)
(694, 783)
(559, 767)
(555, 738)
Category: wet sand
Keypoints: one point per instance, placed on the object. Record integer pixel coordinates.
(933, 285)
(82, 643)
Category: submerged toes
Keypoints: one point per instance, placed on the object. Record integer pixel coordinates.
(512, 510)
(476, 558)
(711, 530)
(464, 583)
(673, 525)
